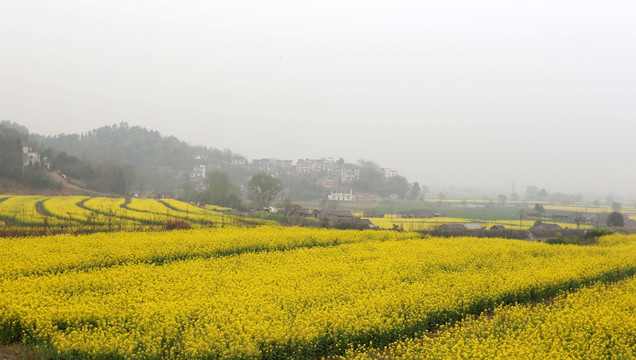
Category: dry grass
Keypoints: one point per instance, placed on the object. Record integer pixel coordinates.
(16, 352)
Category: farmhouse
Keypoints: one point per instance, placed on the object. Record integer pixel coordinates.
(349, 173)
(337, 195)
(354, 222)
(303, 212)
(29, 157)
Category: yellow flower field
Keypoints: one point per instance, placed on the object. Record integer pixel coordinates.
(83, 213)
(51, 254)
(597, 322)
(21, 210)
(299, 299)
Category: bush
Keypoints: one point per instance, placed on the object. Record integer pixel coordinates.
(176, 225)
(615, 219)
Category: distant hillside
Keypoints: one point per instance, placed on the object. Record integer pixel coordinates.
(121, 159)
(160, 162)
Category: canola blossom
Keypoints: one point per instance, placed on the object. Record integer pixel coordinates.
(117, 207)
(596, 322)
(66, 208)
(52, 254)
(299, 303)
(82, 213)
(21, 210)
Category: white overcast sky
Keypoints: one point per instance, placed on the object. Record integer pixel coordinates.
(449, 93)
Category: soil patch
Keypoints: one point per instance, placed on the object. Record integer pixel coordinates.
(16, 352)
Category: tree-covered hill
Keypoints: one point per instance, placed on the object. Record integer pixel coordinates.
(160, 162)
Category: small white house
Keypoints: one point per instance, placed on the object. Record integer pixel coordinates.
(342, 196)
(29, 157)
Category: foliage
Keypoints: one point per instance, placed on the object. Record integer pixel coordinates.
(594, 234)
(303, 188)
(372, 180)
(155, 158)
(562, 239)
(112, 178)
(263, 188)
(615, 219)
(10, 152)
(414, 192)
(220, 191)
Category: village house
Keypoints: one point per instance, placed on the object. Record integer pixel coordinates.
(388, 173)
(344, 219)
(239, 161)
(29, 157)
(310, 166)
(342, 195)
(349, 173)
(303, 212)
(197, 177)
(546, 226)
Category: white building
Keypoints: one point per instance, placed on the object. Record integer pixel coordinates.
(388, 173)
(308, 166)
(342, 196)
(29, 157)
(349, 173)
(198, 172)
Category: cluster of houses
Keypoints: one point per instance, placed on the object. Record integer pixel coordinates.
(596, 219)
(331, 171)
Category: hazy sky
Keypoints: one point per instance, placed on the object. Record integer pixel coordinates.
(463, 93)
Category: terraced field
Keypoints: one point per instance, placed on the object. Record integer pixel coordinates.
(72, 214)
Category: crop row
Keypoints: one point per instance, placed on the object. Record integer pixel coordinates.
(301, 303)
(596, 322)
(81, 212)
(59, 253)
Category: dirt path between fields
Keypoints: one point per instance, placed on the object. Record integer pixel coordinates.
(72, 187)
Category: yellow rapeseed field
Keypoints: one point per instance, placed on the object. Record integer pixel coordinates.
(77, 214)
(596, 322)
(21, 210)
(271, 292)
(59, 253)
(66, 208)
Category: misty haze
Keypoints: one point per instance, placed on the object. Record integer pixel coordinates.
(317, 180)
